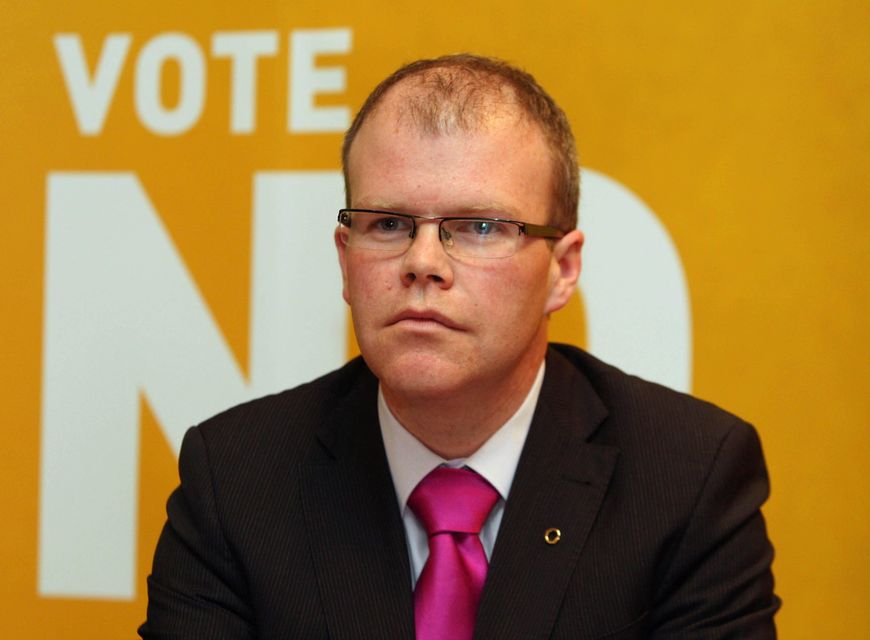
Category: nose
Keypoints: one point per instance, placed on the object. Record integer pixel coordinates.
(425, 260)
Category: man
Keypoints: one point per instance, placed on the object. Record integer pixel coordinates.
(604, 506)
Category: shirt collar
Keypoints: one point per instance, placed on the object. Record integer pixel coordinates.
(496, 460)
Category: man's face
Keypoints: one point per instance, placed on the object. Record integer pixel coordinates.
(429, 324)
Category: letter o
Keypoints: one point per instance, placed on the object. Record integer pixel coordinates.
(149, 65)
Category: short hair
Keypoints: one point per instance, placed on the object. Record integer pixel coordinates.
(454, 93)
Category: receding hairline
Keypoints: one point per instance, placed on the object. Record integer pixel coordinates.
(430, 102)
(406, 107)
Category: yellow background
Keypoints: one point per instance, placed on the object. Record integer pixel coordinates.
(744, 125)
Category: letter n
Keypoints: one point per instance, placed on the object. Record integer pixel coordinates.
(124, 319)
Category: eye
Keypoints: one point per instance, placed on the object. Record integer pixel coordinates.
(483, 228)
(386, 224)
(479, 228)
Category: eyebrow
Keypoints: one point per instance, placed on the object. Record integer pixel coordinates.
(502, 211)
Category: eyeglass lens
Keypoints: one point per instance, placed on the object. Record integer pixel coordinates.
(462, 237)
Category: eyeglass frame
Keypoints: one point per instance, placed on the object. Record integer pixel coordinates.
(524, 228)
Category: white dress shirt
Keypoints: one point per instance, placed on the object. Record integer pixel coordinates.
(496, 460)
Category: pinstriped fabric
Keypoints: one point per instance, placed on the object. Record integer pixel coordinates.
(238, 556)
(658, 507)
(286, 523)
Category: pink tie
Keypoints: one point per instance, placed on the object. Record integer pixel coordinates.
(452, 505)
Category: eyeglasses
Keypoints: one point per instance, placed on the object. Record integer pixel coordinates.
(461, 237)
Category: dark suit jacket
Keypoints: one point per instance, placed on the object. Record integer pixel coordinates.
(286, 523)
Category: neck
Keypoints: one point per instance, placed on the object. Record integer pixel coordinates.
(457, 425)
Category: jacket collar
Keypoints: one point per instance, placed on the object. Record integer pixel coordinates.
(357, 536)
(560, 484)
(357, 541)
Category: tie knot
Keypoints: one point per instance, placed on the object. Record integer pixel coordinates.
(452, 500)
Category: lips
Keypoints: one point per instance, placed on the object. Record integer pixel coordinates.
(423, 317)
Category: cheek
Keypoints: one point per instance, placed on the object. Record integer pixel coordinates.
(368, 282)
(511, 299)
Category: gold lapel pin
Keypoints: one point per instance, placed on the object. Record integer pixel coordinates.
(552, 535)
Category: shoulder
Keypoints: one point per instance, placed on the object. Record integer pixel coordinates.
(628, 397)
(683, 502)
(284, 425)
(653, 425)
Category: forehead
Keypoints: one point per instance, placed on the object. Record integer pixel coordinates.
(497, 159)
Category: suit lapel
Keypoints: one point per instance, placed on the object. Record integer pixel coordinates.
(560, 483)
(356, 536)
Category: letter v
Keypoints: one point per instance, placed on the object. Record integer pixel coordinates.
(91, 96)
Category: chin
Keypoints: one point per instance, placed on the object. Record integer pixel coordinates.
(421, 374)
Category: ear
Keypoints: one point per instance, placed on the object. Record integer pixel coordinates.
(564, 270)
(342, 262)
